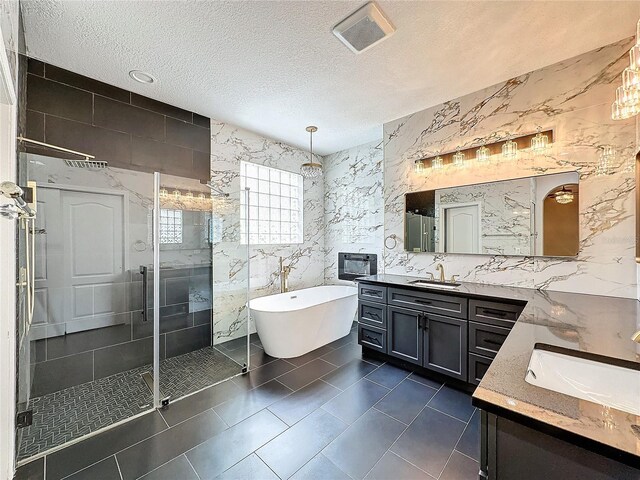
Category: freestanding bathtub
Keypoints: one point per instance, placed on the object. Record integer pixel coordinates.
(294, 323)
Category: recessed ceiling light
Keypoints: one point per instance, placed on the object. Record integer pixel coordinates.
(142, 77)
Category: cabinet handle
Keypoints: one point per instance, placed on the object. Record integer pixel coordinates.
(372, 339)
(423, 302)
(373, 315)
(492, 342)
(375, 293)
(420, 317)
(426, 322)
(495, 313)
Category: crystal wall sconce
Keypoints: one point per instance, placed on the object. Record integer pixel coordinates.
(540, 142)
(509, 149)
(483, 154)
(458, 159)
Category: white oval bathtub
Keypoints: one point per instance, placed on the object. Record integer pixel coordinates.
(294, 323)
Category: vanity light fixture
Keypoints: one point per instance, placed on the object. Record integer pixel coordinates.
(311, 169)
(540, 142)
(163, 193)
(418, 166)
(509, 149)
(627, 103)
(458, 159)
(176, 194)
(483, 154)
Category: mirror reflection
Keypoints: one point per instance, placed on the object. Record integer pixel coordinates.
(534, 216)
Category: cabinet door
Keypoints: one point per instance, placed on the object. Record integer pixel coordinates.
(445, 345)
(404, 334)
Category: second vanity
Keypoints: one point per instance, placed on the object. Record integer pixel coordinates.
(482, 337)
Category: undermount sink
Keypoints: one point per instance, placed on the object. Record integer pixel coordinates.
(435, 283)
(597, 380)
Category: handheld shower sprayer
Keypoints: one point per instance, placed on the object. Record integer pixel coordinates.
(14, 192)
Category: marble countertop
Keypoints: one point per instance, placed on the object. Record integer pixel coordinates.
(586, 323)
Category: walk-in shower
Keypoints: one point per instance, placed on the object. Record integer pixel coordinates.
(115, 313)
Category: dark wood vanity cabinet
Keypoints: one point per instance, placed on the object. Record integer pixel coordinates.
(445, 345)
(445, 333)
(405, 334)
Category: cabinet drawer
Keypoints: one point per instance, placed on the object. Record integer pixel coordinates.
(478, 366)
(372, 337)
(486, 339)
(372, 314)
(372, 293)
(494, 313)
(429, 302)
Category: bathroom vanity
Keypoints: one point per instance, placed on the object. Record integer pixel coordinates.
(482, 338)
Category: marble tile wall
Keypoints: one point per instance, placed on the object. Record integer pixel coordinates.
(353, 206)
(229, 146)
(573, 97)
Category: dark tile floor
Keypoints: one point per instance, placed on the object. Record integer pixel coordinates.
(331, 414)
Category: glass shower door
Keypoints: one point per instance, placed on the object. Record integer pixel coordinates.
(83, 342)
(190, 222)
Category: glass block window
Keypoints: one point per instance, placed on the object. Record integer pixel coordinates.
(170, 226)
(275, 205)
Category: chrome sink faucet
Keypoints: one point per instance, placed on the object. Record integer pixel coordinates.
(285, 270)
(440, 268)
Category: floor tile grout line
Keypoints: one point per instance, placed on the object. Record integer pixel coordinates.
(446, 463)
(191, 465)
(412, 464)
(406, 428)
(447, 414)
(465, 455)
(255, 452)
(118, 465)
(384, 413)
(88, 466)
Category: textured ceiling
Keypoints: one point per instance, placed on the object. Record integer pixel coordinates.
(274, 67)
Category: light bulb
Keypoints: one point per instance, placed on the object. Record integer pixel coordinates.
(630, 79)
(634, 58)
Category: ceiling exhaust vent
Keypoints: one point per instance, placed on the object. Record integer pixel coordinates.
(364, 28)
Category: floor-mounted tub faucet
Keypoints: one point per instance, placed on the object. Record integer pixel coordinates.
(284, 277)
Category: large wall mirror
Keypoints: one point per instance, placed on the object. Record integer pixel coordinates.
(534, 216)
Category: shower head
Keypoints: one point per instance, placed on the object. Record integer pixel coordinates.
(14, 192)
(87, 163)
(216, 190)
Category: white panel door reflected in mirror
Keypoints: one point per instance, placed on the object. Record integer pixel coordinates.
(532, 216)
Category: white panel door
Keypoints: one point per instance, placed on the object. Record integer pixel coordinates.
(94, 260)
(462, 230)
(80, 261)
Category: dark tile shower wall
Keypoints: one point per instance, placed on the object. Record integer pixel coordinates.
(125, 129)
(132, 132)
(81, 357)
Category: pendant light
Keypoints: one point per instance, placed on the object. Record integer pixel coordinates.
(563, 196)
(311, 169)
